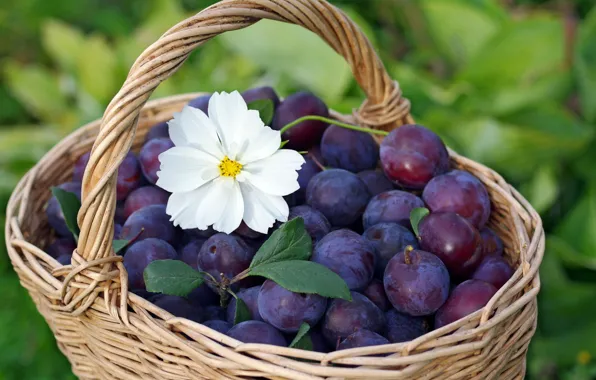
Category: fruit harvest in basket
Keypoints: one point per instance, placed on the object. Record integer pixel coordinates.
(241, 235)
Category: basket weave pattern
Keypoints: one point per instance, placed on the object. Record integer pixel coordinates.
(109, 333)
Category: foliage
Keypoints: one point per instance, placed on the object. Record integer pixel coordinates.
(511, 84)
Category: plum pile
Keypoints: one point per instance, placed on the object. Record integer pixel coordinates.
(356, 199)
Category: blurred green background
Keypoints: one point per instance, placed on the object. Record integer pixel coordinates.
(511, 84)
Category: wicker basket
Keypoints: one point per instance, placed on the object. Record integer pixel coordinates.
(109, 333)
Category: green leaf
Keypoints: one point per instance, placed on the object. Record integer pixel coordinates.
(302, 339)
(585, 65)
(416, 216)
(37, 89)
(172, 277)
(459, 40)
(70, 205)
(242, 313)
(265, 108)
(300, 276)
(62, 42)
(97, 69)
(288, 242)
(294, 52)
(119, 244)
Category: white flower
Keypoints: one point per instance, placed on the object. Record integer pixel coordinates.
(226, 168)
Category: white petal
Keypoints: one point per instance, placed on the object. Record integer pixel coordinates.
(184, 169)
(276, 174)
(261, 144)
(228, 112)
(182, 207)
(262, 210)
(213, 204)
(232, 215)
(191, 127)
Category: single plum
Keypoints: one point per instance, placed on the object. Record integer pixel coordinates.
(339, 195)
(494, 270)
(391, 206)
(459, 192)
(203, 296)
(190, 252)
(349, 255)
(416, 282)
(466, 298)
(149, 222)
(388, 239)
(412, 155)
(143, 197)
(315, 222)
(62, 247)
(261, 93)
(179, 307)
(225, 255)
(140, 254)
(157, 131)
(403, 328)
(376, 293)
(214, 312)
(149, 157)
(348, 149)
(257, 332)
(454, 239)
(218, 325)
(375, 181)
(362, 338)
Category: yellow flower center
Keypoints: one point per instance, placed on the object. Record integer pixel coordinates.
(229, 168)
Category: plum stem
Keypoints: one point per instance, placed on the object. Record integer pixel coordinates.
(240, 276)
(407, 257)
(334, 122)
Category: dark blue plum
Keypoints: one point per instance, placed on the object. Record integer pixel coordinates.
(218, 325)
(79, 167)
(140, 254)
(149, 222)
(226, 255)
(375, 181)
(391, 206)
(119, 214)
(157, 131)
(404, 328)
(345, 317)
(61, 247)
(339, 195)
(201, 103)
(491, 242)
(149, 157)
(315, 223)
(203, 296)
(388, 240)
(257, 332)
(494, 270)
(190, 252)
(195, 233)
(214, 312)
(362, 338)
(308, 170)
(319, 344)
(179, 307)
(286, 310)
(246, 232)
(348, 149)
(465, 299)
(261, 93)
(54, 213)
(349, 255)
(308, 133)
(143, 197)
(416, 282)
(459, 192)
(376, 293)
(250, 297)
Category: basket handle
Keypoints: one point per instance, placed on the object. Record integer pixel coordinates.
(384, 109)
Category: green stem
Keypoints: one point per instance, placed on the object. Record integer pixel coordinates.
(334, 122)
(240, 276)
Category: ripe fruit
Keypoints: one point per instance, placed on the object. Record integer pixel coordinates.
(315, 223)
(79, 167)
(459, 192)
(286, 310)
(388, 239)
(491, 242)
(157, 131)
(149, 157)
(261, 93)
(343, 318)
(224, 254)
(453, 239)
(179, 307)
(349, 255)
(249, 296)
(190, 252)
(308, 133)
(218, 325)
(143, 197)
(308, 170)
(54, 212)
(203, 296)
(201, 102)
(362, 338)
(214, 312)
(375, 181)
(246, 232)
(149, 222)
(339, 195)
(416, 282)
(140, 254)
(391, 206)
(61, 249)
(412, 155)
(257, 332)
(403, 328)
(466, 298)
(494, 270)
(348, 149)
(376, 293)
